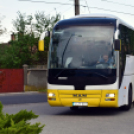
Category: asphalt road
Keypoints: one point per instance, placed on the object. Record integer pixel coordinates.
(22, 98)
(61, 120)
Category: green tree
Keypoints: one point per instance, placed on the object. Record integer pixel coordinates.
(20, 22)
(44, 23)
(2, 29)
(37, 22)
(24, 50)
(19, 53)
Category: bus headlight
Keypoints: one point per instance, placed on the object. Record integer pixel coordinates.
(51, 95)
(110, 95)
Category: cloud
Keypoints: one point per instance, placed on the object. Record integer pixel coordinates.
(1, 7)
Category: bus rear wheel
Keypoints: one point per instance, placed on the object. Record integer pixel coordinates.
(129, 105)
(74, 108)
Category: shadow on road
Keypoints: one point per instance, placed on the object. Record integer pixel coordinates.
(93, 111)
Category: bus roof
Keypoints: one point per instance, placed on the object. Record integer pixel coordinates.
(94, 15)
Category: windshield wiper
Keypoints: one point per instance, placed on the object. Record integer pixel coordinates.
(97, 74)
(59, 73)
(103, 76)
(66, 47)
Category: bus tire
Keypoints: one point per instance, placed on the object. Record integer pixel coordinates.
(74, 108)
(129, 105)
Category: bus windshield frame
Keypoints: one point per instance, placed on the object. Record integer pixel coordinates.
(100, 70)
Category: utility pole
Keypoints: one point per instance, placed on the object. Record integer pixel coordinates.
(77, 7)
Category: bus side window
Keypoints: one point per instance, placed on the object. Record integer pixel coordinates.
(122, 53)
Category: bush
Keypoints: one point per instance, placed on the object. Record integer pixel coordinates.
(17, 123)
(21, 52)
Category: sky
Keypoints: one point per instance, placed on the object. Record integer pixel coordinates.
(9, 9)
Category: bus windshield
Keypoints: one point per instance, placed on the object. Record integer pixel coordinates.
(82, 47)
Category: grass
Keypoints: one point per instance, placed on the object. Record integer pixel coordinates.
(33, 88)
(42, 90)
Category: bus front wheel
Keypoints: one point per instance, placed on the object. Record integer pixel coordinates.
(129, 105)
(74, 108)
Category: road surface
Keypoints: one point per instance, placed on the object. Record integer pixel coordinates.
(61, 120)
(22, 98)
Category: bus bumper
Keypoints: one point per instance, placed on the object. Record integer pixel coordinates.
(93, 98)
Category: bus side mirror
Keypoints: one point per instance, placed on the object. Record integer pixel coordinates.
(55, 38)
(41, 45)
(47, 34)
(41, 41)
(117, 45)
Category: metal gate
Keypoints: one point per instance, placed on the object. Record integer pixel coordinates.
(11, 80)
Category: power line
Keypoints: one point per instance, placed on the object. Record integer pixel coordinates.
(79, 5)
(111, 10)
(55, 8)
(117, 3)
(59, 3)
(87, 6)
(66, 10)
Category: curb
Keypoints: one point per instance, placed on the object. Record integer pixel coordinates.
(19, 93)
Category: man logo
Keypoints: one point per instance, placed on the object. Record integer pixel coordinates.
(79, 99)
(79, 95)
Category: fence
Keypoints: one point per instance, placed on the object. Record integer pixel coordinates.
(35, 77)
(11, 80)
(19, 80)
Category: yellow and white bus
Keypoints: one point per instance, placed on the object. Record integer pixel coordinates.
(90, 62)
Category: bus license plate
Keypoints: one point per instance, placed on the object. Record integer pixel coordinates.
(80, 104)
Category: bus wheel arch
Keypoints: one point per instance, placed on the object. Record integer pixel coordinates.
(129, 99)
(131, 86)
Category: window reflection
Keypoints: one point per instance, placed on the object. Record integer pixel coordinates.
(89, 47)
